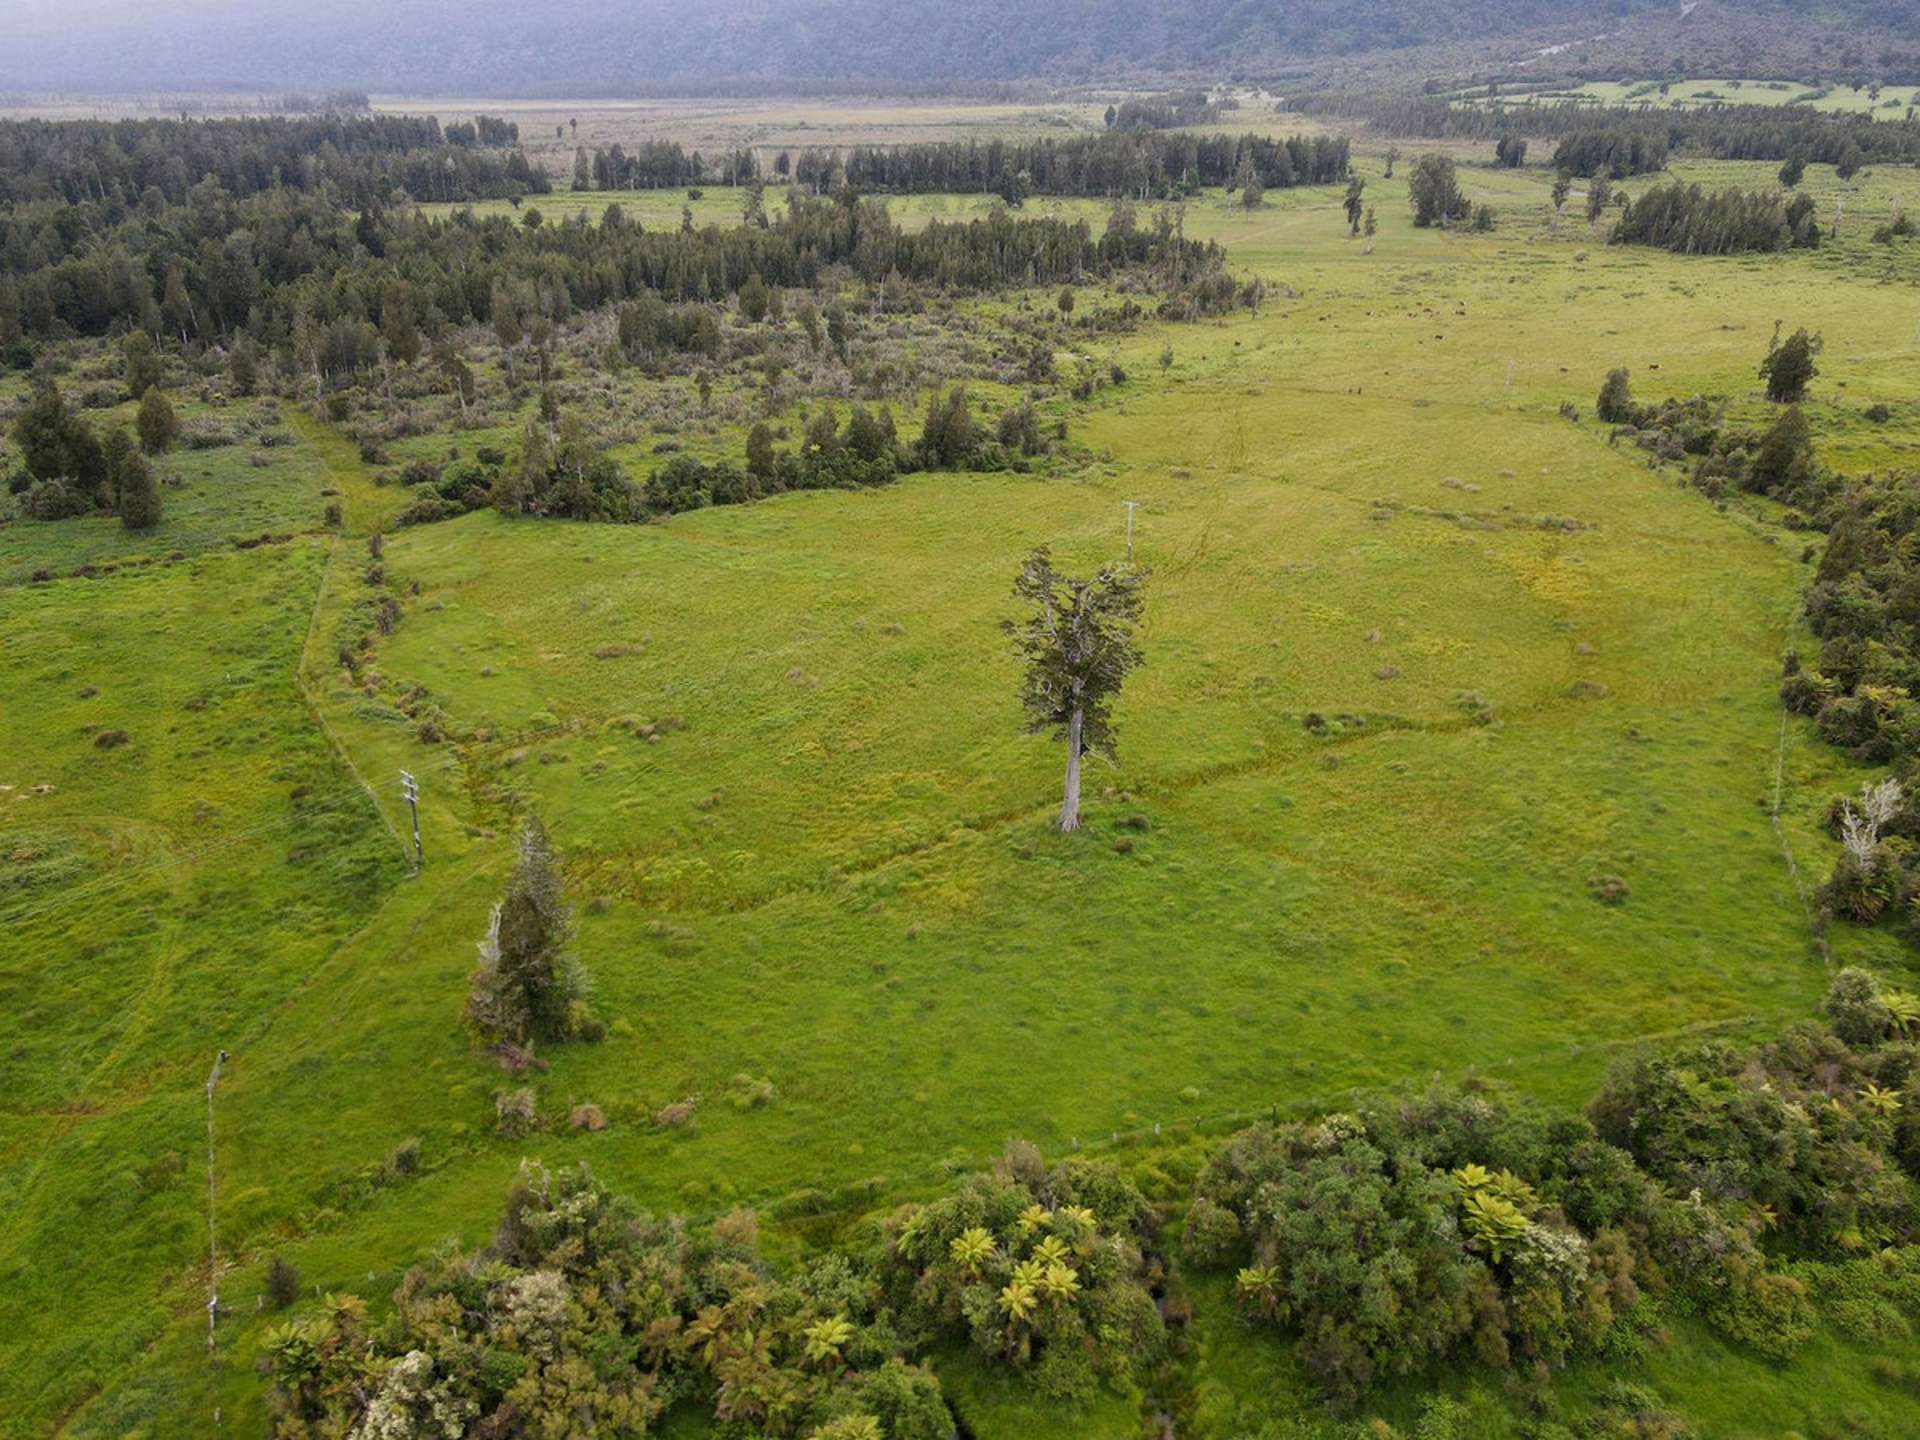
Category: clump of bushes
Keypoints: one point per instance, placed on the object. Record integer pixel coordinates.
(586, 1316)
(1041, 1268)
(1422, 1231)
(1458, 1224)
(205, 434)
(867, 452)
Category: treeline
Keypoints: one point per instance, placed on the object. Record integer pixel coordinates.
(1720, 132)
(1691, 221)
(1859, 691)
(333, 102)
(486, 130)
(291, 271)
(1141, 164)
(1614, 153)
(1166, 112)
(363, 159)
(1768, 1190)
(1144, 164)
(659, 165)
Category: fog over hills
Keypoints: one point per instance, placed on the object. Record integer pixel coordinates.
(599, 47)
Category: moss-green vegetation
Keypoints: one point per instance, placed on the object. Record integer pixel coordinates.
(1882, 102)
(1455, 748)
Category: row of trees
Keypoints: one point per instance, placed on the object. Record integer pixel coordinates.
(361, 158)
(1693, 221)
(659, 165)
(1615, 153)
(1723, 132)
(1859, 691)
(1169, 111)
(1129, 160)
(1141, 164)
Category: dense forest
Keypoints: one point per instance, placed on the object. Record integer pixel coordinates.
(287, 267)
(291, 223)
(360, 158)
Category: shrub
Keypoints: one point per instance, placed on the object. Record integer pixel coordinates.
(1041, 1269)
(282, 1282)
(515, 1112)
(1854, 1008)
(1430, 1228)
(208, 434)
(1615, 405)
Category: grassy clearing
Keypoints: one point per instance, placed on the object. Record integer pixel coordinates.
(210, 498)
(834, 871)
(1890, 103)
(551, 129)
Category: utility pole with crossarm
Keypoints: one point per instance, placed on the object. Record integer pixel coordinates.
(411, 793)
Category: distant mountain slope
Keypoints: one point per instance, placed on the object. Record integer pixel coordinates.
(587, 47)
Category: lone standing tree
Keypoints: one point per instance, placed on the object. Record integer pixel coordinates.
(527, 985)
(1079, 649)
(1789, 368)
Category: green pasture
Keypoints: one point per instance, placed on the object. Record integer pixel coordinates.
(1425, 660)
(211, 499)
(1891, 102)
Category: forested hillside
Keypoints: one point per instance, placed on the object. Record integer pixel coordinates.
(610, 47)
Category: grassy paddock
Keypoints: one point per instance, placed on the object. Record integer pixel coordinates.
(832, 869)
(1892, 103)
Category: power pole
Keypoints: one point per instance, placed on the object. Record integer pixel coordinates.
(1129, 504)
(411, 793)
(213, 1247)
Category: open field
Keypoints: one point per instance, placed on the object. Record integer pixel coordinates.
(729, 124)
(551, 129)
(1540, 662)
(1889, 102)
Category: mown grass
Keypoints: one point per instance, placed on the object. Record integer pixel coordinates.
(834, 871)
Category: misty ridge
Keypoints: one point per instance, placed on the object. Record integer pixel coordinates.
(647, 47)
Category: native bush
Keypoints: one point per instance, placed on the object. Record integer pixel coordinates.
(1040, 1268)
(586, 1316)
